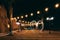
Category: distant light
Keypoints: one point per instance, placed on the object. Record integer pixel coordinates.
(56, 5)
(25, 21)
(17, 17)
(19, 20)
(46, 9)
(21, 16)
(12, 18)
(38, 12)
(26, 15)
(22, 21)
(52, 18)
(17, 23)
(8, 26)
(48, 18)
(31, 14)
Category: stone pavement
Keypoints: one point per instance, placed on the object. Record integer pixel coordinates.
(33, 35)
(3, 34)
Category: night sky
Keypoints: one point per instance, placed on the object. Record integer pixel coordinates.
(27, 6)
(22, 7)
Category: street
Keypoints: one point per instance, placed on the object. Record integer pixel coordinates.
(33, 35)
(29, 19)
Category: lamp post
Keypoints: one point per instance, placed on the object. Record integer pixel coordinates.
(49, 19)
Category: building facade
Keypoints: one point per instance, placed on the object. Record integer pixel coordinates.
(3, 20)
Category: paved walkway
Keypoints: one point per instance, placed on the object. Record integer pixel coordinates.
(32, 35)
(3, 34)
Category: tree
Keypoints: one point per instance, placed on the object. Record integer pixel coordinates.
(8, 6)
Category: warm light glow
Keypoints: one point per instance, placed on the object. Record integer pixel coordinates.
(19, 20)
(21, 16)
(22, 21)
(25, 21)
(8, 26)
(17, 23)
(46, 9)
(36, 24)
(12, 18)
(56, 5)
(26, 15)
(52, 18)
(38, 12)
(31, 14)
(17, 17)
(22, 25)
(47, 18)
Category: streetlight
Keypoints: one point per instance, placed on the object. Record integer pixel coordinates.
(9, 7)
(38, 12)
(56, 5)
(26, 15)
(17, 23)
(31, 14)
(46, 9)
(52, 18)
(17, 17)
(49, 19)
(21, 16)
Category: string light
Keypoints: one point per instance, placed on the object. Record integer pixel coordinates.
(46, 9)
(31, 14)
(26, 15)
(38, 12)
(19, 20)
(17, 17)
(22, 21)
(56, 5)
(21, 16)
